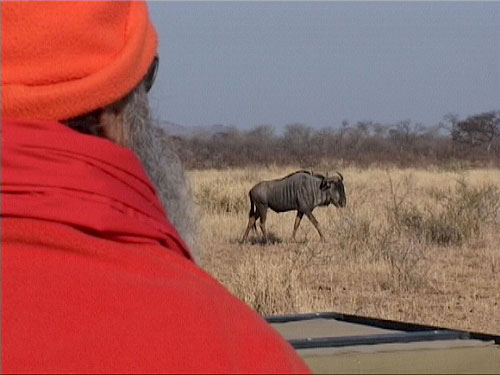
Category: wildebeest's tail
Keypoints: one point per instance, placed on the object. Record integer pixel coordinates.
(252, 213)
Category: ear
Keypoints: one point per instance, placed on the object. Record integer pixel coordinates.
(112, 126)
(111, 122)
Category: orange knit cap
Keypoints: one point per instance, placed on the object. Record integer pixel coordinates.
(64, 59)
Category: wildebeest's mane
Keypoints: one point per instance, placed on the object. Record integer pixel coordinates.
(304, 171)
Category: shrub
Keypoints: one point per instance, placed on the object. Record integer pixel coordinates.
(456, 217)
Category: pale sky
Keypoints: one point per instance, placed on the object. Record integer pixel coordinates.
(318, 63)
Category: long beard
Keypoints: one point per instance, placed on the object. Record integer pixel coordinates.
(162, 165)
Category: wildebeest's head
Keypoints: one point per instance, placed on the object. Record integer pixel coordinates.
(334, 187)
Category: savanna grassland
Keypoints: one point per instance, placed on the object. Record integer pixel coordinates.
(417, 245)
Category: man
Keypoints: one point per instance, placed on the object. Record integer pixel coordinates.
(94, 276)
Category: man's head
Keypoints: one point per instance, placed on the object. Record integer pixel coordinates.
(90, 65)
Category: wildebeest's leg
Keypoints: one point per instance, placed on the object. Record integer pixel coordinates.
(298, 218)
(316, 224)
(251, 223)
(253, 215)
(262, 209)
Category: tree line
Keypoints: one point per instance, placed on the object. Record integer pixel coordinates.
(473, 141)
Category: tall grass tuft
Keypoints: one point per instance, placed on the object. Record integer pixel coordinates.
(454, 217)
(281, 285)
(214, 198)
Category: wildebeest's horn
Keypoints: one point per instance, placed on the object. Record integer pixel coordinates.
(341, 177)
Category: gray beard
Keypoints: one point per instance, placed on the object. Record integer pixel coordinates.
(162, 165)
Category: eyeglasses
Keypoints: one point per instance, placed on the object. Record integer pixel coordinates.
(149, 79)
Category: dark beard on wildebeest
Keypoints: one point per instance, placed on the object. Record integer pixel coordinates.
(162, 165)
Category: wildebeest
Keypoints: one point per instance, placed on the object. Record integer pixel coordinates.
(301, 191)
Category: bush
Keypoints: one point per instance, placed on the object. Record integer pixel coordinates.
(456, 217)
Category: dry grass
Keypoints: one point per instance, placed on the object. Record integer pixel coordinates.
(413, 245)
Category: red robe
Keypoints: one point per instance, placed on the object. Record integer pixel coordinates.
(95, 278)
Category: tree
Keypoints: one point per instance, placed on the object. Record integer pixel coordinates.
(478, 130)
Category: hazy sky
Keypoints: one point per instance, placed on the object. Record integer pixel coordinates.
(318, 63)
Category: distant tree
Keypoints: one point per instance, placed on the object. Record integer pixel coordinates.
(297, 130)
(364, 128)
(450, 121)
(262, 133)
(380, 131)
(297, 137)
(259, 144)
(478, 130)
(324, 142)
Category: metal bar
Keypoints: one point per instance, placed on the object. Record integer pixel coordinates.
(375, 322)
(298, 317)
(405, 337)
